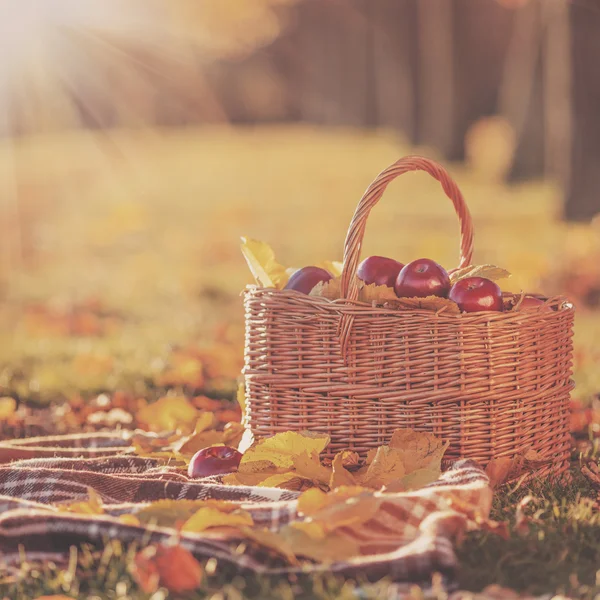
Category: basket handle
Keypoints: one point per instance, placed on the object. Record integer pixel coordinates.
(356, 230)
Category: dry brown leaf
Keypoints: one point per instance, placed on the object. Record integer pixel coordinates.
(340, 476)
(431, 303)
(488, 271)
(387, 466)
(282, 448)
(498, 470)
(420, 450)
(309, 466)
(286, 481)
(328, 289)
(501, 470)
(208, 517)
(172, 567)
(414, 480)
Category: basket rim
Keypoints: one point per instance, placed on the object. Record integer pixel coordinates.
(561, 303)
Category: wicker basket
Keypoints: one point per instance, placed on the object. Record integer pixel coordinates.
(492, 383)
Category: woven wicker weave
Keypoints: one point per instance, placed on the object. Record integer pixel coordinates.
(491, 383)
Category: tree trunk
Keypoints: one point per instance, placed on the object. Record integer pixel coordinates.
(582, 201)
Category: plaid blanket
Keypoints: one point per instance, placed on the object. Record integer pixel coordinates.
(36, 474)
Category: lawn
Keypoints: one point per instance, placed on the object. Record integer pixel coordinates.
(121, 278)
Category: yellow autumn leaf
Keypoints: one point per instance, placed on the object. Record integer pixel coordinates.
(241, 399)
(266, 271)
(281, 448)
(311, 528)
(420, 450)
(386, 467)
(350, 512)
(289, 480)
(333, 266)
(309, 466)
(340, 476)
(208, 517)
(313, 500)
(189, 445)
(173, 513)
(168, 414)
(129, 520)
(92, 506)
(488, 271)
(376, 293)
(271, 540)
(8, 407)
(250, 479)
(414, 480)
(328, 289)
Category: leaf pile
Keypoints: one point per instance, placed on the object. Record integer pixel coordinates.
(291, 460)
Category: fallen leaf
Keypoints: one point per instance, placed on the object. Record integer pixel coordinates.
(387, 466)
(8, 407)
(271, 540)
(266, 271)
(288, 481)
(377, 294)
(168, 413)
(498, 470)
(333, 547)
(312, 501)
(208, 517)
(241, 399)
(350, 512)
(172, 567)
(174, 513)
(309, 466)
(488, 271)
(130, 520)
(414, 480)
(420, 450)
(281, 448)
(328, 289)
(340, 476)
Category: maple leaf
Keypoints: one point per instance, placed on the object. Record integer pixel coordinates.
(282, 448)
(340, 476)
(503, 469)
(208, 517)
(377, 294)
(328, 289)
(312, 501)
(420, 450)
(168, 413)
(414, 480)
(172, 567)
(309, 466)
(488, 271)
(386, 467)
(266, 271)
(288, 481)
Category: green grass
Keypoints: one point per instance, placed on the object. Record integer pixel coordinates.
(151, 232)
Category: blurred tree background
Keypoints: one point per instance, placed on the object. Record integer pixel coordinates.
(429, 69)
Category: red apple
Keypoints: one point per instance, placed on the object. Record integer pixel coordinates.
(422, 278)
(532, 302)
(474, 294)
(305, 279)
(379, 270)
(214, 460)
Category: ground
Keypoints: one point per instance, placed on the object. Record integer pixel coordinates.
(121, 277)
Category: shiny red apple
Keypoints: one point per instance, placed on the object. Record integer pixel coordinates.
(379, 270)
(305, 279)
(421, 278)
(475, 294)
(533, 302)
(214, 460)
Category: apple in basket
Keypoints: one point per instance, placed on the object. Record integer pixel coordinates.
(305, 279)
(421, 278)
(214, 460)
(475, 294)
(379, 270)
